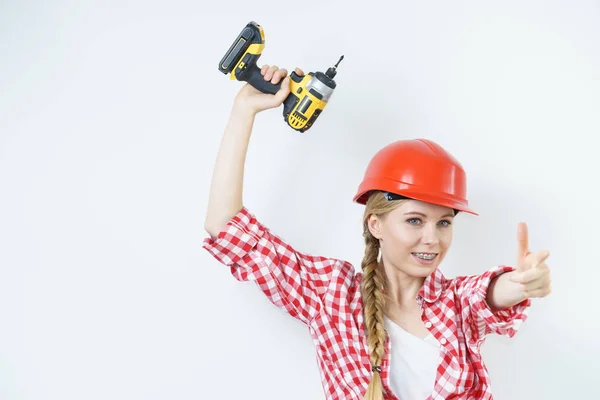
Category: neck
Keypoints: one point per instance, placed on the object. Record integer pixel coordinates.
(402, 289)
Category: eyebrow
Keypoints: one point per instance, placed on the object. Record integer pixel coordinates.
(423, 215)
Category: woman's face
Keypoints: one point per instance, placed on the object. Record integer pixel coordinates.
(414, 237)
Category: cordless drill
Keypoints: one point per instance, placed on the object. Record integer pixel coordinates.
(309, 94)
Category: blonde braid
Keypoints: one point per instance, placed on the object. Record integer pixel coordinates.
(373, 304)
(372, 287)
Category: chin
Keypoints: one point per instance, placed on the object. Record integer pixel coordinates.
(422, 271)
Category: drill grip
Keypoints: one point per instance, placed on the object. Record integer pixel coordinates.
(251, 74)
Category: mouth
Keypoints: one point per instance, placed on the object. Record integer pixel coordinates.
(425, 258)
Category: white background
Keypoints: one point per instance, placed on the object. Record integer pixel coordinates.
(111, 114)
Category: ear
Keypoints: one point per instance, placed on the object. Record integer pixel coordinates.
(374, 224)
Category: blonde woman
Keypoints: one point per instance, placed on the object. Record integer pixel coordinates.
(398, 329)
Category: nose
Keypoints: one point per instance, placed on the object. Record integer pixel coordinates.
(430, 234)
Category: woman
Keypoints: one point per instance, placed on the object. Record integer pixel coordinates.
(399, 329)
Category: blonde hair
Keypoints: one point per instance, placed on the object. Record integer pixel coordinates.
(372, 286)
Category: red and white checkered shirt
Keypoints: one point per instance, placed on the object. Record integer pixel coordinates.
(324, 293)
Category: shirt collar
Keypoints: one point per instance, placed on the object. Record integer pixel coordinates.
(432, 287)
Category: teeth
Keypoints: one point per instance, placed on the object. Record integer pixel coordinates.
(425, 256)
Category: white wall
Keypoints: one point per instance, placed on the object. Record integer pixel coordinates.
(111, 115)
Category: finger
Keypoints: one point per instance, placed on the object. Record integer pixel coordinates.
(539, 258)
(279, 75)
(527, 276)
(270, 72)
(536, 285)
(538, 282)
(283, 91)
(299, 71)
(539, 292)
(531, 274)
(534, 260)
(264, 69)
(522, 240)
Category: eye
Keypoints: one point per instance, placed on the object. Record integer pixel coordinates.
(414, 221)
(445, 223)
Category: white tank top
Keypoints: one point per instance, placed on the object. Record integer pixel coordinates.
(413, 363)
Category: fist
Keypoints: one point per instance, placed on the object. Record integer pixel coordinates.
(256, 101)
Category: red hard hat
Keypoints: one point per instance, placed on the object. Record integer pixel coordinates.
(419, 169)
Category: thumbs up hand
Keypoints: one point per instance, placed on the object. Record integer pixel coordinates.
(532, 272)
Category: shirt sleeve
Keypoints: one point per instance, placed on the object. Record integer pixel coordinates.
(296, 282)
(478, 319)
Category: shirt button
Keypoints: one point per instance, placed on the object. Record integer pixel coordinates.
(427, 324)
(443, 340)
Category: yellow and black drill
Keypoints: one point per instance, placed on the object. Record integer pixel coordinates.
(309, 94)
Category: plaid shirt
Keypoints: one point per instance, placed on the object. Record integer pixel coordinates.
(324, 294)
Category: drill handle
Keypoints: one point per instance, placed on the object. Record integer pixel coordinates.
(252, 75)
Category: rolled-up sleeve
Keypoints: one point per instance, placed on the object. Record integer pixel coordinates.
(478, 317)
(236, 239)
(291, 280)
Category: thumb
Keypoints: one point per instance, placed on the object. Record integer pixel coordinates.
(283, 91)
